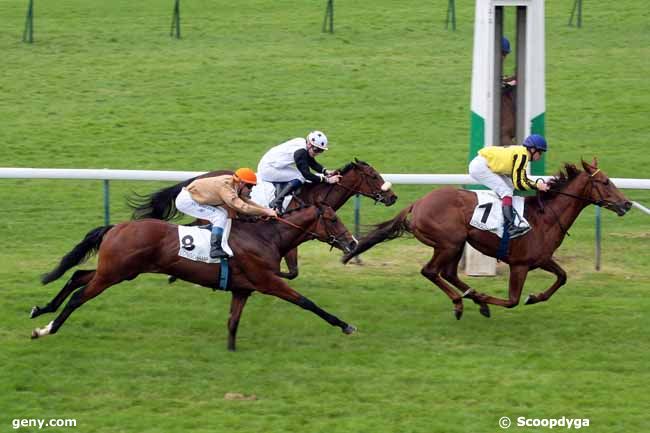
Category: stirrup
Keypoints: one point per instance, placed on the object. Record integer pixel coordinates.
(217, 253)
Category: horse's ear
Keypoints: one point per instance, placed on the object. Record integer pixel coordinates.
(356, 161)
(588, 168)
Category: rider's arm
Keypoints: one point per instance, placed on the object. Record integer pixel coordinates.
(519, 178)
(244, 206)
(303, 163)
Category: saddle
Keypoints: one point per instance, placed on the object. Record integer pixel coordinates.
(488, 215)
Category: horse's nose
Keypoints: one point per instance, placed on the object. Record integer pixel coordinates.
(627, 206)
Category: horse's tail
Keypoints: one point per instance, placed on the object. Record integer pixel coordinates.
(79, 254)
(385, 231)
(160, 205)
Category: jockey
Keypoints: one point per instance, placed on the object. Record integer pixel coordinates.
(287, 165)
(503, 169)
(216, 198)
(505, 47)
(505, 50)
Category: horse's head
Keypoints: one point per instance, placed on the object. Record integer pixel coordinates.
(330, 229)
(363, 179)
(603, 192)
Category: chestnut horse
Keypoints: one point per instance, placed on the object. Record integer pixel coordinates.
(357, 177)
(441, 220)
(151, 246)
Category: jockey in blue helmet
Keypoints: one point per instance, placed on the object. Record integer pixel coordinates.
(505, 46)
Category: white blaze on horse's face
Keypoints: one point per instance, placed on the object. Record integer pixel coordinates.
(386, 186)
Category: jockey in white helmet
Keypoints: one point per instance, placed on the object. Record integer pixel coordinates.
(288, 165)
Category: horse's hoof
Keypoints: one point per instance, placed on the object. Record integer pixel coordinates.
(458, 314)
(171, 279)
(34, 334)
(485, 311)
(468, 293)
(530, 300)
(34, 312)
(349, 330)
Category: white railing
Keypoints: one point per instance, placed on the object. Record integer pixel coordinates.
(106, 174)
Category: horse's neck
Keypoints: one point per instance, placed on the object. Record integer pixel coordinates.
(289, 237)
(566, 209)
(329, 194)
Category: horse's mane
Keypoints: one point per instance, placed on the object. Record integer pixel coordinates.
(257, 220)
(565, 176)
(350, 165)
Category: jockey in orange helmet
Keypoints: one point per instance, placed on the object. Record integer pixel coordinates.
(215, 198)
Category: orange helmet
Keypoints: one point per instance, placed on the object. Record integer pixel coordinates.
(246, 175)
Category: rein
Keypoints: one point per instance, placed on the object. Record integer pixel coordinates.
(333, 238)
(296, 226)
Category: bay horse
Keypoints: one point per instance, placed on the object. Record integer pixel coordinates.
(132, 248)
(441, 220)
(357, 177)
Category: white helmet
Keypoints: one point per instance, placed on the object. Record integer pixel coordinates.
(317, 139)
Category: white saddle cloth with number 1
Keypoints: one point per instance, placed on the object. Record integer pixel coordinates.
(194, 243)
(489, 216)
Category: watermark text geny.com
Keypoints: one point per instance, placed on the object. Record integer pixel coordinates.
(41, 423)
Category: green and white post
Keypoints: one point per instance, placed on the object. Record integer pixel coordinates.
(487, 70)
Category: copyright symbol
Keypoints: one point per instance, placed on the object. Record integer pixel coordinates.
(504, 422)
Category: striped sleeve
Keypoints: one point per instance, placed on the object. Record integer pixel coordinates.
(519, 178)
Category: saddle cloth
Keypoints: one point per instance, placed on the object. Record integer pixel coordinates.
(488, 215)
(264, 192)
(194, 242)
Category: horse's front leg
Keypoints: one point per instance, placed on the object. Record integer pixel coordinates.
(518, 275)
(237, 305)
(553, 267)
(277, 287)
(291, 259)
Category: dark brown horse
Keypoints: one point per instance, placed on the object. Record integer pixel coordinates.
(357, 177)
(151, 246)
(441, 220)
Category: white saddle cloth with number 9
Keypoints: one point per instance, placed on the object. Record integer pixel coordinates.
(489, 216)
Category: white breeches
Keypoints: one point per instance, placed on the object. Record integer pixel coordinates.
(268, 173)
(499, 183)
(215, 214)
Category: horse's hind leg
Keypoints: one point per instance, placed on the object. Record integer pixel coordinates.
(450, 273)
(553, 267)
(517, 279)
(237, 305)
(79, 278)
(432, 270)
(96, 285)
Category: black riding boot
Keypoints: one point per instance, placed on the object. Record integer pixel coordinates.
(509, 218)
(287, 189)
(216, 252)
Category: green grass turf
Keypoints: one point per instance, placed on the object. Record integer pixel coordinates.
(105, 86)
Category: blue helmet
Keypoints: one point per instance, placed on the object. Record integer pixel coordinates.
(505, 45)
(536, 141)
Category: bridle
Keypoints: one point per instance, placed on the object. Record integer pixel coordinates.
(600, 202)
(333, 239)
(377, 197)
